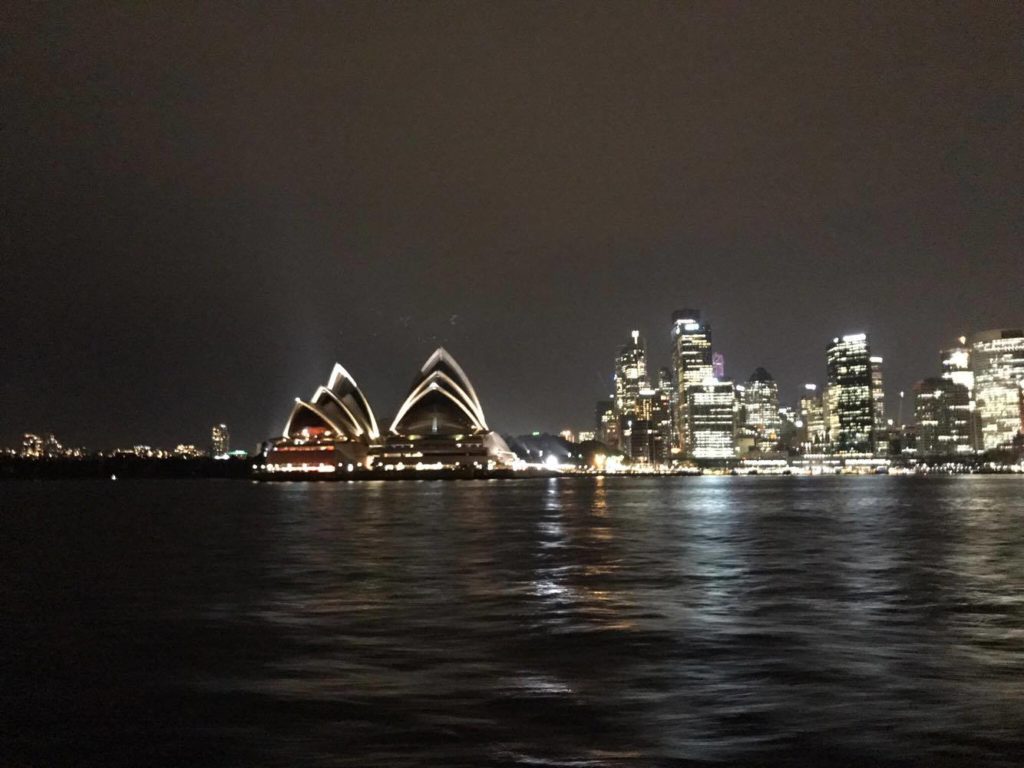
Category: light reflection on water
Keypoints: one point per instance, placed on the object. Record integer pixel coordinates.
(563, 621)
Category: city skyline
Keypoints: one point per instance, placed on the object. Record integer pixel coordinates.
(856, 422)
(202, 213)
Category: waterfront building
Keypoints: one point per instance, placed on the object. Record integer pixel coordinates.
(790, 426)
(335, 426)
(220, 440)
(187, 451)
(441, 424)
(942, 410)
(655, 409)
(997, 361)
(667, 389)
(812, 418)
(880, 431)
(692, 364)
(585, 436)
(851, 407)
(759, 408)
(956, 367)
(712, 410)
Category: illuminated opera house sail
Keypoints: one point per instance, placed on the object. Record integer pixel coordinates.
(335, 426)
(440, 425)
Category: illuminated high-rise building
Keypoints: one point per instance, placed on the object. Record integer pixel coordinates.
(956, 367)
(943, 413)
(956, 364)
(712, 420)
(760, 409)
(692, 365)
(655, 414)
(668, 393)
(850, 401)
(220, 440)
(878, 405)
(630, 381)
(997, 360)
(812, 417)
(630, 375)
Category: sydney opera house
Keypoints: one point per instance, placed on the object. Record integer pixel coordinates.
(439, 426)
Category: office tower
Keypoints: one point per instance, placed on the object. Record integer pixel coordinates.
(630, 375)
(655, 411)
(942, 409)
(997, 360)
(790, 427)
(711, 408)
(668, 394)
(956, 367)
(607, 424)
(760, 409)
(220, 440)
(881, 431)
(630, 380)
(691, 364)
(812, 417)
(850, 402)
(956, 364)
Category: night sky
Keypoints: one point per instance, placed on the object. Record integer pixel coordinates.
(205, 206)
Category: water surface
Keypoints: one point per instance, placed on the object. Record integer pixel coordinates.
(603, 622)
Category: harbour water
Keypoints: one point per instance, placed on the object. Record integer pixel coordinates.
(576, 621)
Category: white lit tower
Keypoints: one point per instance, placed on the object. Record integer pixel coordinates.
(692, 365)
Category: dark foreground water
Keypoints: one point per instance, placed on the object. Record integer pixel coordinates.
(811, 621)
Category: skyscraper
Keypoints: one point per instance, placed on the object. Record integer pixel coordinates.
(760, 408)
(997, 360)
(956, 367)
(630, 381)
(220, 440)
(850, 402)
(691, 364)
(880, 433)
(712, 414)
(812, 417)
(942, 409)
(630, 374)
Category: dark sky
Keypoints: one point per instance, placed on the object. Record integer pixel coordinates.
(205, 206)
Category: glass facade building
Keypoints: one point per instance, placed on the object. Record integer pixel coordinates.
(997, 361)
(760, 409)
(812, 420)
(942, 410)
(851, 407)
(712, 410)
(692, 365)
(630, 374)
